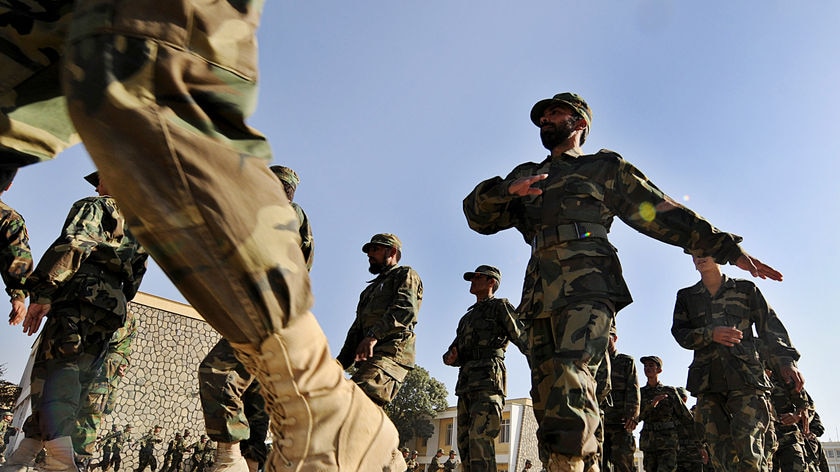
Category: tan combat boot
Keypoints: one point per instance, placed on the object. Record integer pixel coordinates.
(564, 463)
(60, 456)
(319, 419)
(24, 456)
(229, 458)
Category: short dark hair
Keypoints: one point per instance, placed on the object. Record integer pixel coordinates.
(6, 177)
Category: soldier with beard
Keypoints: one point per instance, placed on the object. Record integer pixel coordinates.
(380, 342)
(564, 207)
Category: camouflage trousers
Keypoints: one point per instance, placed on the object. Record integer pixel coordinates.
(565, 352)
(479, 421)
(790, 458)
(101, 398)
(736, 425)
(147, 460)
(619, 448)
(234, 409)
(70, 353)
(660, 460)
(380, 378)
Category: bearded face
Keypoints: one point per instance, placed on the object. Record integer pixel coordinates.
(555, 134)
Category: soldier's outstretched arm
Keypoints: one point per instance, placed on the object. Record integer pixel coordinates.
(758, 268)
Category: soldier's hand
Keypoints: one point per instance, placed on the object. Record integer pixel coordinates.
(365, 349)
(34, 315)
(451, 356)
(630, 425)
(522, 186)
(788, 419)
(758, 268)
(18, 312)
(727, 335)
(792, 375)
(658, 399)
(704, 455)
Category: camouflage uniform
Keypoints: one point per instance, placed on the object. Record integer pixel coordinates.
(573, 284)
(816, 456)
(690, 458)
(113, 445)
(387, 311)
(234, 409)
(104, 390)
(178, 450)
(659, 439)
(15, 255)
(147, 450)
(623, 404)
(87, 276)
(790, 453)
(170, 448)
(729, 382)
(159, 92)
(6, 430)
(481, 339)
(200, 452)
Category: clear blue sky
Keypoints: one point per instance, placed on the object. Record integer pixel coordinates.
(392, 112)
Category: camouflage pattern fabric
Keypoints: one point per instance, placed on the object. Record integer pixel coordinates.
(115, 443)
(177, 454)
(6, 431)
(482, 337)
(724, 377)
(623, 404)
(234, 409)
(582, 194)
(691, 443)
(147, 451)
(88, 274)
(202, 451)
(565, 353)
(659, 439)
(103, 392)
(737, 424)
(790, 453)
(387, 310)
(15, 255)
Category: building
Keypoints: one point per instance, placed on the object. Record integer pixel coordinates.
(516, 442)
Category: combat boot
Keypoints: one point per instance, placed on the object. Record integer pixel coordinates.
(319, 419)
(229, 458)
(24, 456)
(564, 463)
(60, 456)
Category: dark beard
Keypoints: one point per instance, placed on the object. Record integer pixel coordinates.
(553, 136)
(376, 268)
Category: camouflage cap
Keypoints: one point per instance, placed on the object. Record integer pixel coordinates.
(573, 100)
(439, 451)
(93, 178)
(6, 413)
(414, 452)
(452, 452)
(656, 360)
(157, 426)
(404, 450)
(383, 239)
(487, 270)
(286, 175)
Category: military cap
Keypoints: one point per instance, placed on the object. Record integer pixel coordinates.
(414, 452)
(157, 426)
(93, 178)
(656, 360)
(440, 451)
(383, 239)
(452, 452)
(487, 270)
(128, 426)
(204, 436)
(573, 100)
(404, 450)
(286, 175)
(527, 461)
(6, 413)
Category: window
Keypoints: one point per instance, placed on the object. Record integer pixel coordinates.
(449, 434)
(830, 453)
(504, 436)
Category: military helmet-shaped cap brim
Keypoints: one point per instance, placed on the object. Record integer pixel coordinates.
(93, 178)
(655, 359)
(487, 270)
(383, 239)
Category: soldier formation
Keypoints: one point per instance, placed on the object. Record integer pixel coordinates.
(175, 168)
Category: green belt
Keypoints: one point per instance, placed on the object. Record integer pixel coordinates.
(550, 236)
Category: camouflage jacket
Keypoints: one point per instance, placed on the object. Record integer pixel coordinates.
(387, 311)
(115, 441)
(691, 443)
(481, 339)
(307, 241)
(148, 441)
(6, 430)
(624, 394)
(582, 194)
(95, 259)
(785, 399)
(15, 255)
(123, 338)
(662, 423)
(716, 367)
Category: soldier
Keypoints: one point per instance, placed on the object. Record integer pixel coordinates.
(452, 463)
(200, 452)
(564, 207)
(621, 411)
(816, 456)
(170, 449)
(717, 318)
(178, 450)
(6, 431)
(83, 281)
(160, 93)
(106, 442)
(147, 449)
(380, 342)
(405, 453)
(122, 439)
(435, 465)
(234, 411)
(528, 465)
(15, 255)
(692, 451)
(411, 464)
(664, 413)
(788, 411)
(479, 352)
